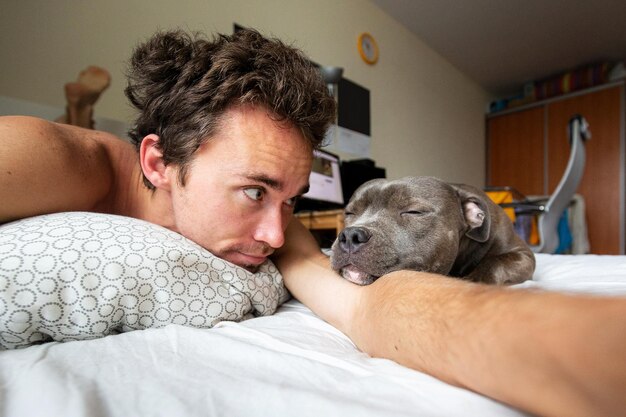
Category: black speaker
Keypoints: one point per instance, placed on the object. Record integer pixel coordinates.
(356, 172)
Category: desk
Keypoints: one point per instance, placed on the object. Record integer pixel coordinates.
(322, 220)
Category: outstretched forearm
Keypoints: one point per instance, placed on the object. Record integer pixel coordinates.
(543, 352)
(546, 353)
(309, 278)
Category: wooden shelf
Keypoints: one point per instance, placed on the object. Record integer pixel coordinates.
(322, 220)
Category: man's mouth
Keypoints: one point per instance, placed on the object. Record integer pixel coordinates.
(251, 262)
(254, 259)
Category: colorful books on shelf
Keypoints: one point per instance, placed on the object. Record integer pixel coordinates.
(578, 79)
(556, 85)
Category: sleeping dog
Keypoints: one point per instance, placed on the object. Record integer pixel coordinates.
(425, 224)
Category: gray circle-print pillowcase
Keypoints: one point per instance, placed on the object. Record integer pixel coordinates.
(75, 276)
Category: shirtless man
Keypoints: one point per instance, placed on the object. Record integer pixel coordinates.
(220, 158)
(222, 146)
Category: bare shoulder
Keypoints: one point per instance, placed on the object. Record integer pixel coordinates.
(48, 167)
(29, 130)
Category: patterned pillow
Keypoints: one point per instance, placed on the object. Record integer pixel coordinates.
(75, 276)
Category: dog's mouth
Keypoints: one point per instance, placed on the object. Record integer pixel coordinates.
(357, 276)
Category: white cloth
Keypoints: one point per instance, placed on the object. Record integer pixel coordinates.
(288, 364)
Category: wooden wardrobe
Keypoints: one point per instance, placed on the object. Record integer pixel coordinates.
(528, 149)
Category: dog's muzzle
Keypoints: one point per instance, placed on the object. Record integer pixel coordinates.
(351, 239)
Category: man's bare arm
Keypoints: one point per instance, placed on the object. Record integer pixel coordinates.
(308, 276)
(46, 167)
(546, 353)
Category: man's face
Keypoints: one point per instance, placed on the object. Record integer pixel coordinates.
(241, 187)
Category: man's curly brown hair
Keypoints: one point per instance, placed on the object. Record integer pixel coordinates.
(182, 84)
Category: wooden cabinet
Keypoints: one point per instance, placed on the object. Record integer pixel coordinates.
(322, 220)
(324, 225)
(516, 151)
(529, 149)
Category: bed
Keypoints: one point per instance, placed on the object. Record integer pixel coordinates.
(272, 357)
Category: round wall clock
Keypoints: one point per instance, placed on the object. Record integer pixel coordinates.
(368, 49)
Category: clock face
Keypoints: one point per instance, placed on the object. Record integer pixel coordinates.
(368, 48)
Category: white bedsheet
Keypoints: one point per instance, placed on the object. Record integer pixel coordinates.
(288, 364)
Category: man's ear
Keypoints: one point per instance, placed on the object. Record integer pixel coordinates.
(151, 160)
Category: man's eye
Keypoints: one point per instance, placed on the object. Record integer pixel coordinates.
(291, 202)
(254, 193)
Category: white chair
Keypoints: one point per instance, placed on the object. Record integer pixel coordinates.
(550, 209)
(550, 213)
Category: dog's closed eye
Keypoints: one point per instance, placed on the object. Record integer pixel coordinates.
(415, 212)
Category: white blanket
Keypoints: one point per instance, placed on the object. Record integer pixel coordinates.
(291, 363)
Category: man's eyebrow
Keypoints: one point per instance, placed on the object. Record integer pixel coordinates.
(264, 179)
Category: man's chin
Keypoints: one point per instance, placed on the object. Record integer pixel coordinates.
(251, 268)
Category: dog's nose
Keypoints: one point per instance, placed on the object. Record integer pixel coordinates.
(352, 238)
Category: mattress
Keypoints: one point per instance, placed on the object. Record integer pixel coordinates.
(286, 364)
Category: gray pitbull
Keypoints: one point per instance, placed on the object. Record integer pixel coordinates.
(425, 224)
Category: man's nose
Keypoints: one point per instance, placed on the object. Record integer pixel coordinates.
(271, 228)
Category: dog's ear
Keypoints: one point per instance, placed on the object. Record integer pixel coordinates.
(475, 212)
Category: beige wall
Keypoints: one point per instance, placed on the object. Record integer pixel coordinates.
(427, 117)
